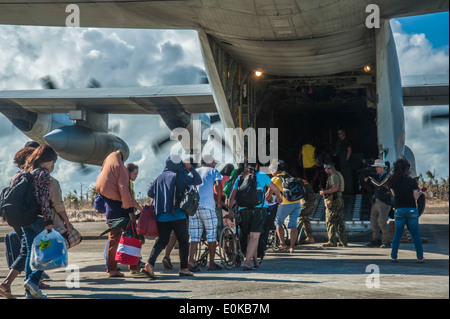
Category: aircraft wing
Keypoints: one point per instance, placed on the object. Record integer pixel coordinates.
(127, 100)
(424, 90)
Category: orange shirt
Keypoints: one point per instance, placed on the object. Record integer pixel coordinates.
(113, 181)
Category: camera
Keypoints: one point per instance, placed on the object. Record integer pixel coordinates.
(365, 170)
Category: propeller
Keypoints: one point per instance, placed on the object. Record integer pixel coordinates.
(85, 169)
(212, 119)
(434, 116)
(49, 84)
(157, 145)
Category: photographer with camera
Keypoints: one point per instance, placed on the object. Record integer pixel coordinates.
(381, 204)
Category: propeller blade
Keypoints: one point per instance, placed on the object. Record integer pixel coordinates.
(93, 84)
(114, 127)
(434, 116)
(85, 170)
(157, 145)
(439, 116)
(48, 83)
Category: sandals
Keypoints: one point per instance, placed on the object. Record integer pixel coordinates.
(247, 268)
(186, 274)
(215, 267)
(115, 274)
(280, 249)
(148, 274)
(193, 269)
(167, 263)
(6, 294)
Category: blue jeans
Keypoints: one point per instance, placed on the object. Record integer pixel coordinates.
(30, 232)
(410, 216)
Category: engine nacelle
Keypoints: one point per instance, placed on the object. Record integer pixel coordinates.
(83, 145)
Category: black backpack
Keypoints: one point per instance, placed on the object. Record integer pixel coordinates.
(18, 204)
(293, 188)
(247, 194)
(188, 201)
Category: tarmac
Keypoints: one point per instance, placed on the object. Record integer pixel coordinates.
(311, 272)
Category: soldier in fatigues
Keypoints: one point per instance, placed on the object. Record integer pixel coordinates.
(308, 203)
(334, 204)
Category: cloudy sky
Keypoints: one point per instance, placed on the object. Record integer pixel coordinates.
(120, 58)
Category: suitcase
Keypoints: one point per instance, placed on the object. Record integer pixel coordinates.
(12, 242)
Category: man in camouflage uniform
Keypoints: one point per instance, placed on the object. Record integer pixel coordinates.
(308, 203)
(334, 204)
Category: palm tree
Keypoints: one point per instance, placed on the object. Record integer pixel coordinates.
(429, 184)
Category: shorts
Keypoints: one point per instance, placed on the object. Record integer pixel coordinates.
(204, 217)
(292, 210)
(253, 220)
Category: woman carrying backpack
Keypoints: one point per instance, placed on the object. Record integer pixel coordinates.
(40, 164)
(19, 263)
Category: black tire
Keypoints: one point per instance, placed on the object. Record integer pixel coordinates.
(301, 235)
(201, 256)
(228, 248)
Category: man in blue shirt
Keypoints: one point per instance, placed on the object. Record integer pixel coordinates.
(253, 219)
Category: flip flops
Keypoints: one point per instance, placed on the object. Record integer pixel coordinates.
(280, 249)
(215, 267)
(148, 274)
(167, 263)
(247, 268)
(6, 294)
(194, 269)
(186, 274)
(115, 274)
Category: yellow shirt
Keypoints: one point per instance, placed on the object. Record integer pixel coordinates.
(279, 183)
(308, 156)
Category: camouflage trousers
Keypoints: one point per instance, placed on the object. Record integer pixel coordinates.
(334, 219)
(304, 218)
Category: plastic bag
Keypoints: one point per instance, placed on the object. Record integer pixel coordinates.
(49, 251)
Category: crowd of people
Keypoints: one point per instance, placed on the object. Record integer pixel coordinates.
(220, 200)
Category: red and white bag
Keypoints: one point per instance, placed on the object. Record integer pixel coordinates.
(129, 249)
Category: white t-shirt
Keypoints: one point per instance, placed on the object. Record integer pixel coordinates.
(209, 176)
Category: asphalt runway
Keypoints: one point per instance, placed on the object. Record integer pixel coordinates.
(312, 272)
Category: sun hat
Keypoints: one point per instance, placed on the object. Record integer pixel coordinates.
(379, 163)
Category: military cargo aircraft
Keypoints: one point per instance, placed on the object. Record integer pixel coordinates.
(304, 67)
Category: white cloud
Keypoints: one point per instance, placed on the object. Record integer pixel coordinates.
(417, 55)
(430, 143)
